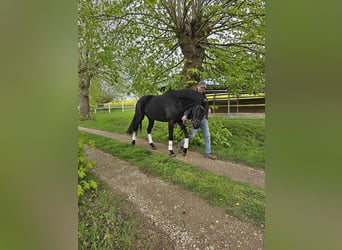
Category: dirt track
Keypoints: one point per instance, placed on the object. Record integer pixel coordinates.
(187, 221)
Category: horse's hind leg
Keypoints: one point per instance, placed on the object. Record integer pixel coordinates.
(149, 134)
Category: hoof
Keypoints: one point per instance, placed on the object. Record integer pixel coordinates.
(184, 151)
(133, 143)
(152, 146)
(172, 154)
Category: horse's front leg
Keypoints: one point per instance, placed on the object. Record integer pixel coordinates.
(149, 133)
(171, 125)
(186, 138)
(134, 137)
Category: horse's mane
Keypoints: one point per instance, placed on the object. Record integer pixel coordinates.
(185, 94)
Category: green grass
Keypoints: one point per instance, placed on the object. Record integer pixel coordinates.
(247, 141)
(106, 221)
(244, 145)
(239, 199)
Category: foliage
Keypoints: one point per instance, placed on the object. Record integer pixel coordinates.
(98, 94)
(84, 181)
(217, 190)
(145, 47)
(219, 134)
(99, 61)
(95, 37)
(89, 117)
(230, 36)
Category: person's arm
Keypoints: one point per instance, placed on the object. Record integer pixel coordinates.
(186, 114)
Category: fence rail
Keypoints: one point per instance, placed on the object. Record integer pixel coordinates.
(220, 100)
(109, 108)
(224, 102)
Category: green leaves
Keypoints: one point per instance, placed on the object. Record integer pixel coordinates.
(140, 44)
(152, 2)
(219, 133)
(84, 180)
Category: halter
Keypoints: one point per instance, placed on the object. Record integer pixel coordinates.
(198, 116)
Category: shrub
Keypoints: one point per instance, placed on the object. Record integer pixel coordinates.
(220, 135)
(84, 180)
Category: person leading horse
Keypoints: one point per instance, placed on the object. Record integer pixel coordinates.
(169, 108)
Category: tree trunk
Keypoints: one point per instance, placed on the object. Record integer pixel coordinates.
(84, 84)
(193, 68)
(190, 37)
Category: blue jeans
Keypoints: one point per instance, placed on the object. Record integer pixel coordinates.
(206, 135)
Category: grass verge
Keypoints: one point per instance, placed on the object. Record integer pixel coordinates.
(244, 143)
(106, 221)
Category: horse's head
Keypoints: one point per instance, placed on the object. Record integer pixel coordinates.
(197, 115)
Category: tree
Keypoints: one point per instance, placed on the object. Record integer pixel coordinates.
(174, 41)
(144, 46)
(99, 93)
(98, 51)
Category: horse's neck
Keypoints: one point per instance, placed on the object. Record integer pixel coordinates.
(188, 95)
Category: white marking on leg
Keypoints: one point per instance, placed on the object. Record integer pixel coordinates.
(186, 143)
(149, 138)
(134, 137)
(170, 145)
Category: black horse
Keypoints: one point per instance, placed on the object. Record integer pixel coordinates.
(170, 108)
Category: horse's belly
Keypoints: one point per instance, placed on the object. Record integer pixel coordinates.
(157, 116)
(162, 111)
(163, 117)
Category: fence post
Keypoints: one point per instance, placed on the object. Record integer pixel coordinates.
(122, 107)
(108, 107)
(228, 104)
(237, 105)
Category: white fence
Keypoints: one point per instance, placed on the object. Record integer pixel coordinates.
(123, 107)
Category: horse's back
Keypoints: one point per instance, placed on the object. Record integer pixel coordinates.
(171, 105)
(162, 108)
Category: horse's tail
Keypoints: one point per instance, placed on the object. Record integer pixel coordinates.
(139, 114)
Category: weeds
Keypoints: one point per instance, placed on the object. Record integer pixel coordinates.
(107, 222)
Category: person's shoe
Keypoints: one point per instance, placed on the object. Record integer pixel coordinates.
(210, 156)
(180, 148)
